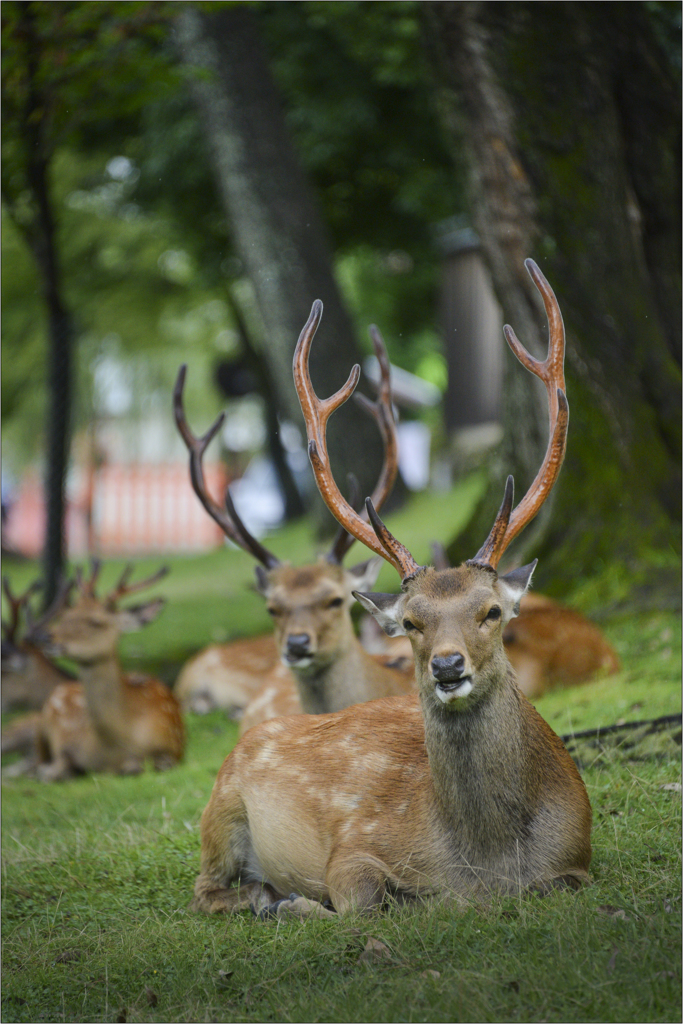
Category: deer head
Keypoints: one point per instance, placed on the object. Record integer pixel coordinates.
(309, 605)
(88, 630)
(454, 617)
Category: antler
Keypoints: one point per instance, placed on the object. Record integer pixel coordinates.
(229, 522)
(316, 413)
(509, 523)
(15, 606)
(383, 414)
(124, 589)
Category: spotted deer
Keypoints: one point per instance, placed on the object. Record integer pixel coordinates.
(110, 720)
(323, 666)
(456, 791)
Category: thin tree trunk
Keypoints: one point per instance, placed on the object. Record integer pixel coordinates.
(41, 237)
(276, 225)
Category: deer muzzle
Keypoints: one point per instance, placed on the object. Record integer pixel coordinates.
(298, 648)
(452, 678)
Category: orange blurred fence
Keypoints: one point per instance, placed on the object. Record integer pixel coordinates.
(121, 510)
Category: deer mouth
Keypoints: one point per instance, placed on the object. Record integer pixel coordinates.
(453, 689)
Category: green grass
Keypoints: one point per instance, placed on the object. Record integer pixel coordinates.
(98, 872)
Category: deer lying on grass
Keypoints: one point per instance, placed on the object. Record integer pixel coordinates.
(109, 720)
(547, 644)
(28, 676)
(324, 668)
(458, 791)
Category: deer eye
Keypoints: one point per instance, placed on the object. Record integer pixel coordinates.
(409, 626)
(274, 612)
(336, 602)
(493, 614)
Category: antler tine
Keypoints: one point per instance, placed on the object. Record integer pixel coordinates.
(383, 412)
(343, 539)
(196, 446)
(124, 589)
(551, 371)
(401, 558)
(62, 596)
(316, 413)
(95, 569)
(250, 544)
(10, 628)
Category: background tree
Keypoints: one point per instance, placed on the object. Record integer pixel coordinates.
(570, 114)
(54, 79)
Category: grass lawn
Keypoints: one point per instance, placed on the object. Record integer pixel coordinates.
(98, 872)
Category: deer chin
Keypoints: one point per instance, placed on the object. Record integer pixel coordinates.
(305, 662)
(455, 689)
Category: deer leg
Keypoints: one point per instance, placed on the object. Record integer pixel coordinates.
(356, 883)
(57, 770)
(131, 766)
(210, 897)
(162, 762)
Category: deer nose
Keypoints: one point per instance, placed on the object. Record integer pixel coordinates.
(299, 644)
(448, 668)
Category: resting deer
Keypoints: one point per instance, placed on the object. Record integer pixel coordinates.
(28, 676)
(324, 668)
(108, 721)
(547, 644)
(457, 791)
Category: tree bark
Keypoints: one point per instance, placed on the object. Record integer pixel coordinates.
(275, 221)
(568, 115)
(40, 233)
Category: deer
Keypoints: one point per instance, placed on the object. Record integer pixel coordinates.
(323, 666)
(109, 720)
(28, 676)
(456, 792)
(547, 644)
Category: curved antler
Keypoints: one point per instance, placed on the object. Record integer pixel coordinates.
(509, 523)
(383, 413)
(316, 413)
(231, 525)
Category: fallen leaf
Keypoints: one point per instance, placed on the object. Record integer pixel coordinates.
(374, 951)
(429, 974)
(612, 960)
(672, 787)
(610, 911)
(152, 997)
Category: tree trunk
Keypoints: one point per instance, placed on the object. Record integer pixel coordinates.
(41, 236)
(275, 222)
(570, 123)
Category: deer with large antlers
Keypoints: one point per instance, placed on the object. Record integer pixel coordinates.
(109, 720)
(323, 666)
(457, 791)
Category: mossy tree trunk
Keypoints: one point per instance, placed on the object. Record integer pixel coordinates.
(275, 222)
(570, 117)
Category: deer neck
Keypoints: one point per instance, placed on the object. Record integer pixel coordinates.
(479, 765)
(105, 695)
(341, 680)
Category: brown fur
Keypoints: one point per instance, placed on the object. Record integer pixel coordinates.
(315, 600)
(108, 721)
(406, 795)
(226, 676)
(28, 677)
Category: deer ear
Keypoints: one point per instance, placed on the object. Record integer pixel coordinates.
(129, 620)
(386, 608)
(364, 576)
(516, 583)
